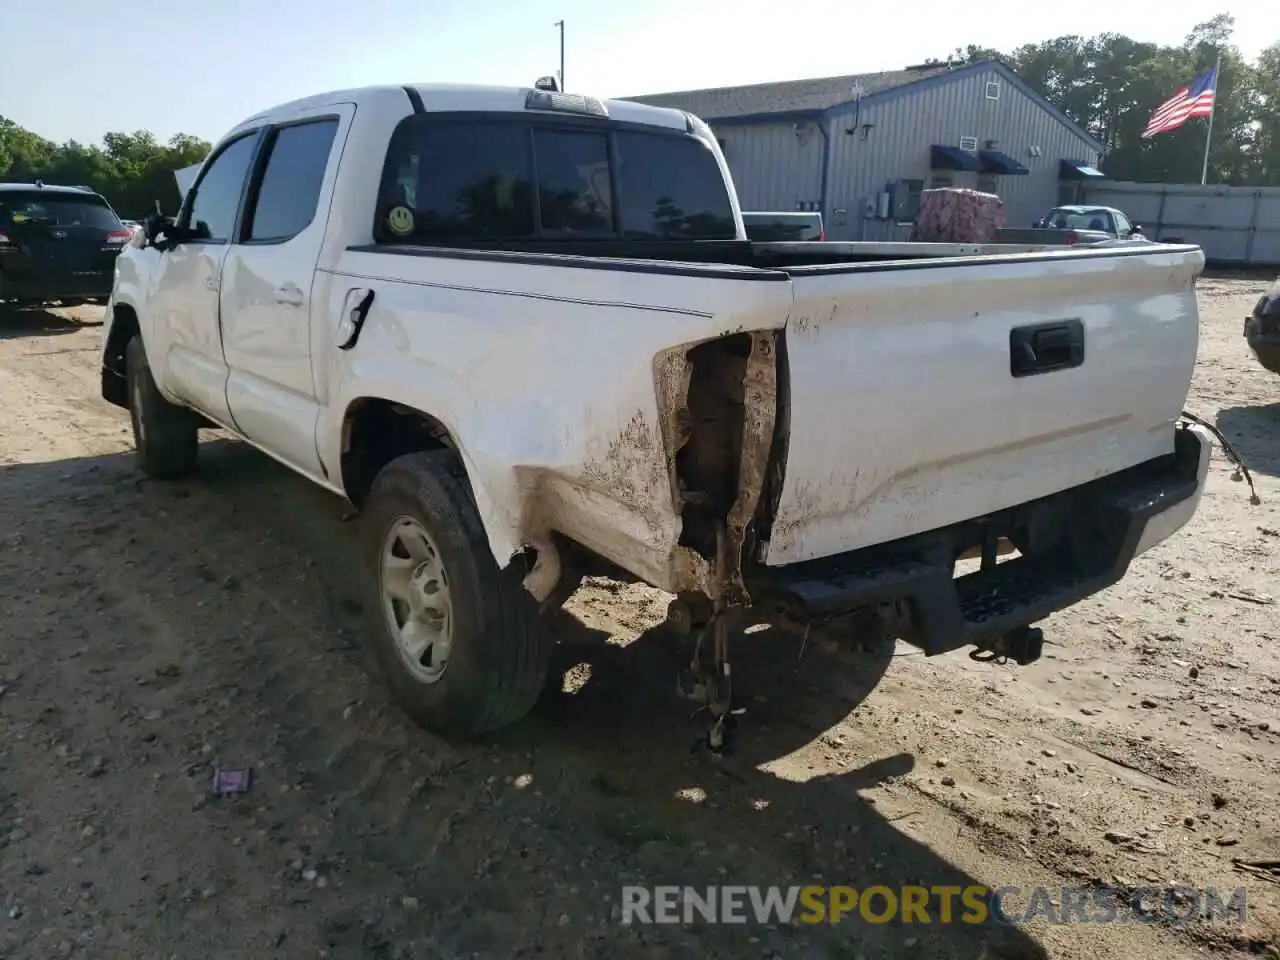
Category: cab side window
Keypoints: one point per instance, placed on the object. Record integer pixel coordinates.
(289, 191)
(211, 212)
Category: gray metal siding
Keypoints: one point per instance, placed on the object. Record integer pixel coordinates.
(774, 165)
(897, 146)
(1239, 225)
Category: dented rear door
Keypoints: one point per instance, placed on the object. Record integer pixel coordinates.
(927, 393)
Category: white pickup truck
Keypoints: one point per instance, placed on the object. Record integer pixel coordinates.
(524, 332)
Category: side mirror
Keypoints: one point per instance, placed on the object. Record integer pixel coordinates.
(1135, 228)
(1039, 224)
(152, 225)
(163, 233)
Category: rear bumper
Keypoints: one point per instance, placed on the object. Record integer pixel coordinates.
(1072, 544)
(56, 286)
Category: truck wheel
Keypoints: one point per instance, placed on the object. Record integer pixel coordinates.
(164, 435)
(457, 639)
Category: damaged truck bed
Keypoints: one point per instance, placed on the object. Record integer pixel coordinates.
(530, 340)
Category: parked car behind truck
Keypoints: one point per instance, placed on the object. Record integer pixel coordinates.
(525, 333)
(57, 244)
(1076, 224)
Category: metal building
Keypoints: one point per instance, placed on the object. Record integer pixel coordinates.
(861, 148)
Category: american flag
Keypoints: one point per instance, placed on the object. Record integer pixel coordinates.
(1193, 100)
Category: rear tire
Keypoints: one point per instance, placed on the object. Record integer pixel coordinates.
(164, 435)
(457, 640)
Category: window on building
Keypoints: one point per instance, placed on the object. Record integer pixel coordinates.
(987, 185)
(290, 189)
(937, 182)
(906, 200)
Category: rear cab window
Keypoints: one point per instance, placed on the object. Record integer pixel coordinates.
(481, 181)
(51, 209)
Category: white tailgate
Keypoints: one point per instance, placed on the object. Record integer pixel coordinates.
(905, 417)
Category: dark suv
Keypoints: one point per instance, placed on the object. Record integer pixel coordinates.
(57, 244)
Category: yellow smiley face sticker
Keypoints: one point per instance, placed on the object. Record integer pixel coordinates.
(400, 221)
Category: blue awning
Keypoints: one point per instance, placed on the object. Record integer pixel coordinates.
(1078, 170)
(942, 157)
(993, 161)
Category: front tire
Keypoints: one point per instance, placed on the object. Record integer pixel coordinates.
(457, 640)
(165, 435)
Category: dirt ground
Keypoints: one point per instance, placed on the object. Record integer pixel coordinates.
(153, 633)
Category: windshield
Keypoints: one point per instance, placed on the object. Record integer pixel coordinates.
(1079, 220)
(58, 210)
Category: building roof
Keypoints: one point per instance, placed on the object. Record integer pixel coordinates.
(788, 96)
(793, 99)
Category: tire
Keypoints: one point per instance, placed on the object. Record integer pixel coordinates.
(498, 652)
(165, 435)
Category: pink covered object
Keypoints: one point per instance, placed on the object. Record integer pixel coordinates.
(956, 215)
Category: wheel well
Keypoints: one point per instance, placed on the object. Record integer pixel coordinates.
(124, 327)
(375, 432)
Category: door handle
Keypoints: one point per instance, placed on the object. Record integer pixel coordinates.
(290, 295)
(1046, 347)
(211, 283)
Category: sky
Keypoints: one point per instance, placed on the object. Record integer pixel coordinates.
(76, 69)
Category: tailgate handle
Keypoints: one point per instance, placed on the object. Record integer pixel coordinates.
(1046, 347)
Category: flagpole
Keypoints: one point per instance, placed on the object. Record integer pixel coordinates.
(1208, 135)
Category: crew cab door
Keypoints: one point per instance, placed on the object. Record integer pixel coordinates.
(267, 285)
(185, 342)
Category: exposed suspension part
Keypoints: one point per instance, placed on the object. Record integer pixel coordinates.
(723, 431)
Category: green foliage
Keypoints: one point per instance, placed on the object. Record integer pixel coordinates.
(131, 170)
(1110, 85)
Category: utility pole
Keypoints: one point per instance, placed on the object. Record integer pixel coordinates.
(1208, 135)
(560, 24)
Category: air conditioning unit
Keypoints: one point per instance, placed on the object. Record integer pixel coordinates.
(969, 143)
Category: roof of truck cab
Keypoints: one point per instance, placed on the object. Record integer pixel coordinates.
(453, 97)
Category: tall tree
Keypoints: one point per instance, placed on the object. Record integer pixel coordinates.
(1266, 137)
(1111, 84)
(131, 170)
